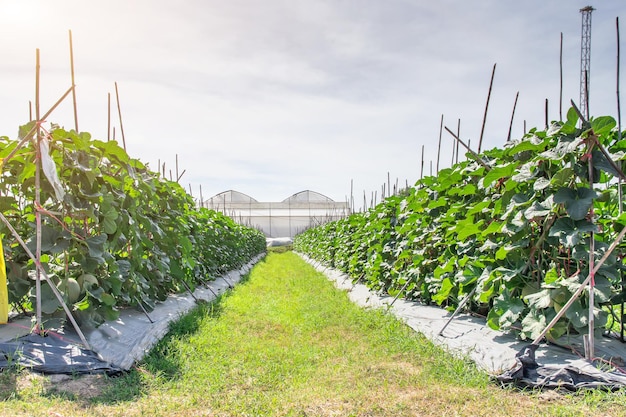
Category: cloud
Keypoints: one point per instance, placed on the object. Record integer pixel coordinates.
(280, 96)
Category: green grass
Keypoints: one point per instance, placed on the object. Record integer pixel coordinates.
(285, 342)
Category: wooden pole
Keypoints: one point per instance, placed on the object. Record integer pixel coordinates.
(38, 326)
(176, 168)
(439, 146)
(482, 130)
(508, 138)
(590, 345)
(119, 111)
(561, 80)
(73, 83)
(30, 111)
(546, 113)
(474, 154)
(108, 117)
(619, 112)
(33, 130)
(422, 169)
(458, 134)
(619, 184)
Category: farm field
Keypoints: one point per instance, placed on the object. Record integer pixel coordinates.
(285, 342)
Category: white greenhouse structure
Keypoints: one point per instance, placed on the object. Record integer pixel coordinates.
(286, 218)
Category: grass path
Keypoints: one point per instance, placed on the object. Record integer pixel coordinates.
(287, 343)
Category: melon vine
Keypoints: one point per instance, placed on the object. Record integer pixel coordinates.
(516, 225)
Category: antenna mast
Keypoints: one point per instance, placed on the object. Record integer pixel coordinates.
(585, 60)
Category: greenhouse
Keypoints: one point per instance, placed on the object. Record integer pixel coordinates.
(286, 218)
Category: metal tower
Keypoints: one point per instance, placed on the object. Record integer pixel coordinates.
(585, 60)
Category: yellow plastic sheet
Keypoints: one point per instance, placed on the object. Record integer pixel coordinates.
(4, 294)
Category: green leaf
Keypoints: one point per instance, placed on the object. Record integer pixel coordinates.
(444, 291)
(533, 324)
(563, 177)
(540, 299)
(603, 125)
(577, 201)
(571, 232)
(95, 245)
(497, 172)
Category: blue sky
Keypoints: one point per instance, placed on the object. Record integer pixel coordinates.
(275, 97)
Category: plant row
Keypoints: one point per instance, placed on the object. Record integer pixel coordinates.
(512, 227)
(113, 232)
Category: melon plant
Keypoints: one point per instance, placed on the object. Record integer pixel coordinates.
(515, 224)
(114, 233)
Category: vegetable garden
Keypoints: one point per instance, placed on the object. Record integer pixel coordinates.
(514, 231)
(108, 232)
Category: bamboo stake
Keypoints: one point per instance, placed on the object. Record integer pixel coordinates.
(590, 345)
(546, 113)
(73, 83)
(474, 154)
(619, 112)
(38, 327)
(422, 170)
(30, 111)
(508, 138)
(454, 145)
(458, 134)
(176, 168)
(561, 79)
(439, 146)
(119, 110)
(482, 130)
(108, 117)
(32, 131)
(619, 184)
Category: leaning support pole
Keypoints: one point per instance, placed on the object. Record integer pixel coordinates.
(582, 287)
(474, 154)
(119, 112)
(458, 309)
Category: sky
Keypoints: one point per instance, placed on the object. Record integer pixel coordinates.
(274, 97)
